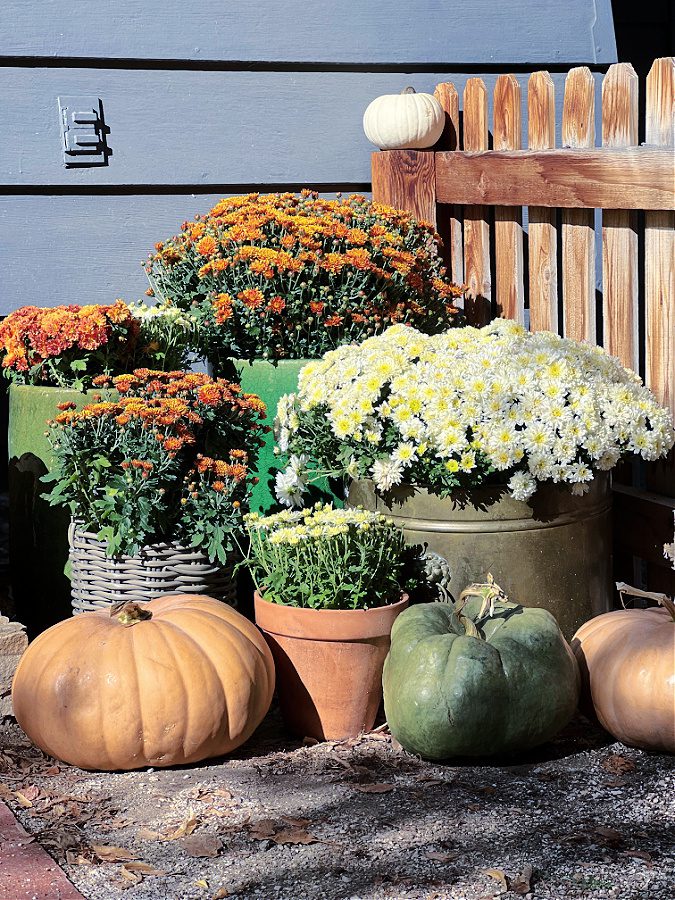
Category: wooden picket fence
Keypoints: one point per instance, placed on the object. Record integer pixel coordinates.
(475, 196)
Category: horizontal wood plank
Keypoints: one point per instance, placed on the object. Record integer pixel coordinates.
(411, 31)
(84, 249)
(638, 178)
(202, 127)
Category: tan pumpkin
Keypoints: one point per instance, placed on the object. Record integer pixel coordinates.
(627, 663)
(176, 680)
(404, 121)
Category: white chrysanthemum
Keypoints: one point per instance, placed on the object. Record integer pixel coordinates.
(497, 397)
(522, 485)
(386, 474)
(289, 489)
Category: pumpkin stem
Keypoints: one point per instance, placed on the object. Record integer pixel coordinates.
(662, 599)
(129, 613)
(490, 593)
(469, 627)
(408, 90)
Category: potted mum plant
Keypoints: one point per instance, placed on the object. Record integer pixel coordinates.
(277, 279)
(330, 583)
(51, 356)
(156, 482)
(494, 444)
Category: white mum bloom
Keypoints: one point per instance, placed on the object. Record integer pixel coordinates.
(522, 485)
(289, 489)
(386, 473)
(405, 454)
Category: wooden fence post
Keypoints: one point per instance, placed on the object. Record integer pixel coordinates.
(660, 244)
(578, 234)
(406, 179)
(619, 226)
(542, 228)
(506, 131)
(476, 223)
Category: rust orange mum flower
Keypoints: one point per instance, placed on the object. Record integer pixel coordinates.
(206, 246)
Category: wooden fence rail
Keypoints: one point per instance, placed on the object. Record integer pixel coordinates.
(474, 187)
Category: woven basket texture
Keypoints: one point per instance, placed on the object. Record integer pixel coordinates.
(98, 581)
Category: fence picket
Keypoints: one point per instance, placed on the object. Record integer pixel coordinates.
(542, 228)
(619, 227)
(660, 244)
(506, 131)
(476, 223)
(447, 96)
(578, 234)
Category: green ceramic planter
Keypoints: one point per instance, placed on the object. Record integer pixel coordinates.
(38, 532)
(270, 382)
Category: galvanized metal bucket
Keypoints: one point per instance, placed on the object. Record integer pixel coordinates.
(553, 550)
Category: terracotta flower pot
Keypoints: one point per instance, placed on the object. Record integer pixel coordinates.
(329, 665)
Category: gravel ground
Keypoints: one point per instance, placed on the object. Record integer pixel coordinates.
(357, 820)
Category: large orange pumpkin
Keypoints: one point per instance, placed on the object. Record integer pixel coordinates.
(627, 662)
(173, 681)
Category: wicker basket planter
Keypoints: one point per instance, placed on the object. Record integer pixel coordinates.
(98, 581)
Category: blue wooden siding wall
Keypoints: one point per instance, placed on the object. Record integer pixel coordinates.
(208, 99)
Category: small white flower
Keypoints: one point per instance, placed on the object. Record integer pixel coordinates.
(386, 473)
(522, 485)
(298, 466)
(405, 453)
(289, 489)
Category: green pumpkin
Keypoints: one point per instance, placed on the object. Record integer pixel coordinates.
(484, 676)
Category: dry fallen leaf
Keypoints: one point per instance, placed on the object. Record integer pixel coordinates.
(616, 764)
(639, 854)
(185, 828)
(202, 883)
(521, 883)
(112, 854)
(22, 800)
(147, 834)
(487, 789)
(374, 788)
(142, 868)
(76, 859)
(31, 792)
(52, 770)
(298, 823)
(429, 780)
(499, 876)
(609, 836)
(214, 795)
(443, 856)
(294, 836)
(132, 877)
(201, 845)
(221, 894)
(263, 829)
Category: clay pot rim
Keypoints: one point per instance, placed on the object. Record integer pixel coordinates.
(327, 624)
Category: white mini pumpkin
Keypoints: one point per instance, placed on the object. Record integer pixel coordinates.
(405, 121)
